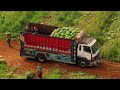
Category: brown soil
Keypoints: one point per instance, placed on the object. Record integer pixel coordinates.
(106, 69)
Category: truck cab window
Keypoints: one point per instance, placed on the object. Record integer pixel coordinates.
(80, 48)
(87, 49)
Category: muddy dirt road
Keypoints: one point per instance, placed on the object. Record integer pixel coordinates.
(107, 70)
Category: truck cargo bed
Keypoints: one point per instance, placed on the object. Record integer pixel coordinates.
(41, 28)
(48, 43)
(43, 42)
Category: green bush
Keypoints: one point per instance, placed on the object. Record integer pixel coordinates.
(2, 67)
(30, 75)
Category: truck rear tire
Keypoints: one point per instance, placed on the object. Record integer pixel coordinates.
(41, 58)
(82, 63)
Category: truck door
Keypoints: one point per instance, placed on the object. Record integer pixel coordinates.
(84, 52)
(79, 51)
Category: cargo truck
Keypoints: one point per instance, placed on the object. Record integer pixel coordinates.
(36, 42)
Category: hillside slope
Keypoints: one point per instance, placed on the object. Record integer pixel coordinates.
(102, 25)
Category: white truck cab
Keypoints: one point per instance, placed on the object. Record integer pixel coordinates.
(88, 51)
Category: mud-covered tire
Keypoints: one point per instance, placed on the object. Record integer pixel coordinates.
(82, 63)
(41, 58)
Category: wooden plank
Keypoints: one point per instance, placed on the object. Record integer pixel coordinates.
(22, 38)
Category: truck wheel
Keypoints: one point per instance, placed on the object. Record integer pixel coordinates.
(83, 63)
(41, 58)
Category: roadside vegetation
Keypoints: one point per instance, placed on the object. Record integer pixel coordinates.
(15, 72)
(80, 75)
(12, 72)
(5, 73)
(53, 74)
(56, 73)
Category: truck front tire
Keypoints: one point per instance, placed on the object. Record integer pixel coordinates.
(82, 63)
(41, 58)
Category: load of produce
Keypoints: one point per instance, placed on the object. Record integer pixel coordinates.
(65, 32)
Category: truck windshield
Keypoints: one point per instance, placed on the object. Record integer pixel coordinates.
(94, 48)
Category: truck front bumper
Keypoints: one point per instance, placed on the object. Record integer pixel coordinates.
(95, 62)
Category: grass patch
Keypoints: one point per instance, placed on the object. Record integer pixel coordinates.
(5, 73)
(10, 73)
(53, 74)
(111, 50)
(80, 75)
(58, 74)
